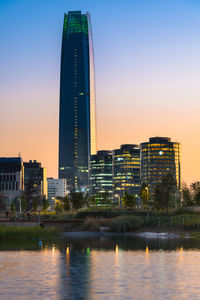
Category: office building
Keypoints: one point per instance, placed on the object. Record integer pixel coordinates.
(56, 188)
(101, 183)
(11, 179)
(159, 157)
(126, 171)
(37, 175)
(77, 122)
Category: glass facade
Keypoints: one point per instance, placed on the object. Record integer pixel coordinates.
(160, 157)
(101, 183)
(34, 172)
(126, 170)
(11, 179)
(77, 124)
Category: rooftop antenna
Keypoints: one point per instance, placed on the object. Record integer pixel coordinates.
(19, 154)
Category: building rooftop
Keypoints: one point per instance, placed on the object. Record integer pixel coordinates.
(10, 159)
(159, 139)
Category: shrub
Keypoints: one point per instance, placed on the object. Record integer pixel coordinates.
(187, 210)
(90, 224)
(128, 223)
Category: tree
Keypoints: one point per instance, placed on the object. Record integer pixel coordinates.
(164, 191)
(105, 198)
(2, 203)
(195, 188)
(12, 207)
(77, 199)
(145, 195)
(34, 203)
(66, 203)
(92, 200)
(58, 208)
(129, 200)
(45, 203)
(187, 196)
(24, 204)
(29, 194)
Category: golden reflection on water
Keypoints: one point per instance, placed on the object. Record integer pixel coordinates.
(67, 250)
(181, 258)
(147, 253)
(116, 255)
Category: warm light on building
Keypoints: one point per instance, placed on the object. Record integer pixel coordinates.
(159, 157)
(126, 170)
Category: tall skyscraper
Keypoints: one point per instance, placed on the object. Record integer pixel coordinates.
(159, 157)
(77, 126)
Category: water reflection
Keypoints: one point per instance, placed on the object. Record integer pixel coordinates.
(75, 273)
(101, 268)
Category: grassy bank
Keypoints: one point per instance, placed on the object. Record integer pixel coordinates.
(182, 222)
(27, 233)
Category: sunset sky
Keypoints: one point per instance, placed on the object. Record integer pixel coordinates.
(147, 63)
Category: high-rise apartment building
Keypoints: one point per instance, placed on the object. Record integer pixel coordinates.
(101, 182)
(126, 170)
(159, 157)
(11, 179)
(37, 175)
(77, 124)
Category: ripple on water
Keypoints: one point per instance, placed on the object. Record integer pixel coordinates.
(99, 274)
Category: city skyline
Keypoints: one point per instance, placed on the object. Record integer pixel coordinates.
(153, 72)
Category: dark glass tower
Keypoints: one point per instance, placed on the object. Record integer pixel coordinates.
(77, 127)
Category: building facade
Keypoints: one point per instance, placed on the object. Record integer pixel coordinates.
(77, 122)
(126, 171)
(11, 179)
(159, 157)
(101, 182)
(37, 175)
(56, 188)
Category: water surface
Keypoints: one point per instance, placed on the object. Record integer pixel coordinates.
(101, 268)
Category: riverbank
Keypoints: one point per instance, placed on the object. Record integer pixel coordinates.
(184, 225)
(144, 234)
(15, 233)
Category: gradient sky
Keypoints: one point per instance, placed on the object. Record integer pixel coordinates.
(147, 61)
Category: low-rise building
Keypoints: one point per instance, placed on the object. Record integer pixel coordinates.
(56, 188)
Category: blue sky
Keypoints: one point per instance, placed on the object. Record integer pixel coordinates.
(147, 62)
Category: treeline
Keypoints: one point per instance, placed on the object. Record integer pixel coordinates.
(163, 197)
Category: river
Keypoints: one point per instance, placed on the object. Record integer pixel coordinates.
(101, 268)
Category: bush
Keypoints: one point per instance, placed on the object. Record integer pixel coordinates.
(92, 224)
(187, 210)
(124, 224)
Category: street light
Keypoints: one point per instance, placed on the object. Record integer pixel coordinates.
(119, 200)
